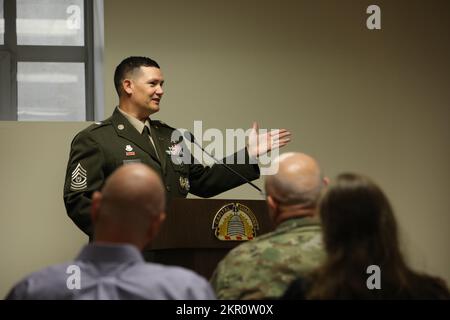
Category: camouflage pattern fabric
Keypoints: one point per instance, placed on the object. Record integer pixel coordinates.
(264, 267)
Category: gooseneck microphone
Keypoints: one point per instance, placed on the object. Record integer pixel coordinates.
(190, 137)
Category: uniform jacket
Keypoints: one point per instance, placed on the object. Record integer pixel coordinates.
(102, 147)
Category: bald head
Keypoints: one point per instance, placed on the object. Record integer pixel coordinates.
(131, 199)
(298, 180)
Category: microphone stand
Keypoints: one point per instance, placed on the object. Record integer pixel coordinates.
(192, 139)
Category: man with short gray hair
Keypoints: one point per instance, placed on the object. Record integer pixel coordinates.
(263, 268)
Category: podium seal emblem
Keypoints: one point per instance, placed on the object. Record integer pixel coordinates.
(235, 222)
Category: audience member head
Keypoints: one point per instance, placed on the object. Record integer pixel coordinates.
(357, 216)
(295, 189)
(130, 207)
(360, 230)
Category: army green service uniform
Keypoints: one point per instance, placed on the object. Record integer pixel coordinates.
(264, 267)
(102, 147)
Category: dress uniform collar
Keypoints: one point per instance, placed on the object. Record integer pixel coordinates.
(135, 122)
(126, 130)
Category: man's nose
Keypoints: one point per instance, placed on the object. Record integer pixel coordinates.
(160, 90)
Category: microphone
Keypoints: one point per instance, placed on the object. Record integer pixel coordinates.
(190, 137)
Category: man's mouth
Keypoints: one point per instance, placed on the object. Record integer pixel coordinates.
(157, 100)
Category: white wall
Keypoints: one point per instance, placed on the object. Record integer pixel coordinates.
(370, 102)
(34, 228)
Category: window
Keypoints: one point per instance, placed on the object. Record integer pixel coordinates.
(2, 24)
(51, 53)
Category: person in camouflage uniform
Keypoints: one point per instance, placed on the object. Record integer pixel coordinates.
(264, 267)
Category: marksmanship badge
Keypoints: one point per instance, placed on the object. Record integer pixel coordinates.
(235, 222)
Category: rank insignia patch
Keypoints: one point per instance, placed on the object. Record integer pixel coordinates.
(79, 178)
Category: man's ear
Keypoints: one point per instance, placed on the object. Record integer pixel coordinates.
(155, 225)
(127, 86)
(326, 181)
(272, 204)
(95, 206)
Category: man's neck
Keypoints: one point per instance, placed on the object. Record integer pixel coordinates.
(294, 211)
(138, 114)
(117, 239)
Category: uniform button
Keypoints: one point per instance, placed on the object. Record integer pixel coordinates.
(168, 188)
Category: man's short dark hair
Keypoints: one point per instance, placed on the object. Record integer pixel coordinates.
(128, 65)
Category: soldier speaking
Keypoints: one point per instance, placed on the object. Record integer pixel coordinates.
(129, 135)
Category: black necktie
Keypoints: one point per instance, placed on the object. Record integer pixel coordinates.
(147, 135)
(146, 132)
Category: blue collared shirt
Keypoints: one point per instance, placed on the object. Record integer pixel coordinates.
(112, 272)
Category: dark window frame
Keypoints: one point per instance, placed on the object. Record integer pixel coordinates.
(11, 54)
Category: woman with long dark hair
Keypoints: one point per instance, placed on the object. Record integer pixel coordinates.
(360, 230)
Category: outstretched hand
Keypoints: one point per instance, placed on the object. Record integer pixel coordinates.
(261, 143)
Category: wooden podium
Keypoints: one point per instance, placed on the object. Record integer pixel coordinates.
(187, 237)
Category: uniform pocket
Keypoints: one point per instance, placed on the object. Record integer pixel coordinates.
(181, 168)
